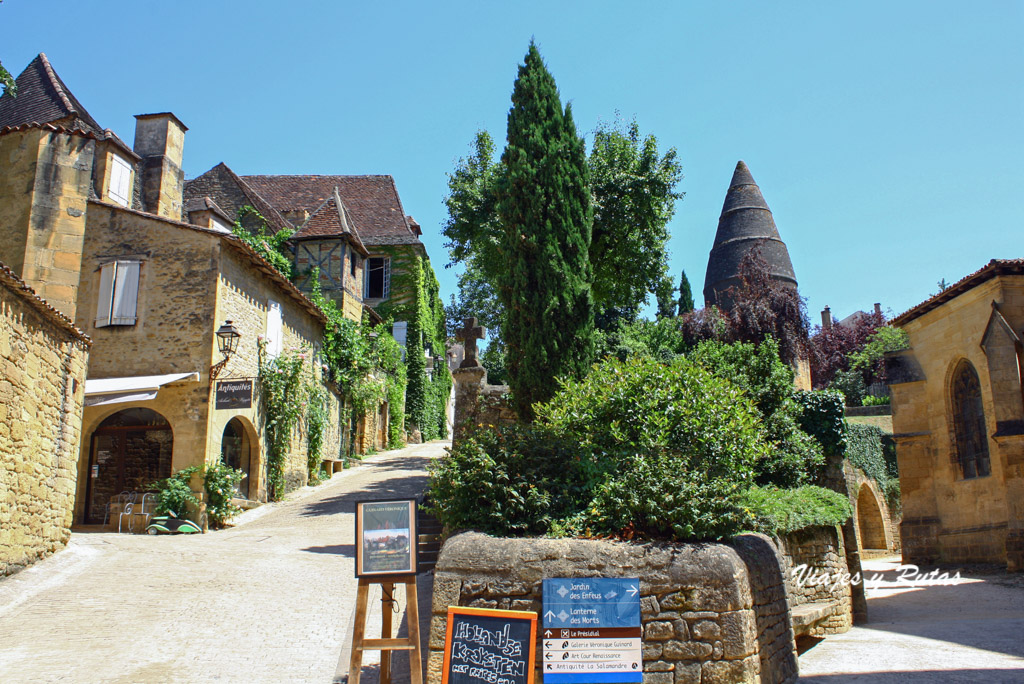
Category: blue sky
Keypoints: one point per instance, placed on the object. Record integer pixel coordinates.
(886, 136)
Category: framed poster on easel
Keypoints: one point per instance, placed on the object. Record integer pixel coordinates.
(385, 537)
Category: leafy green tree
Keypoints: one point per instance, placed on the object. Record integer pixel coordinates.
(273, 248)
(664, 294)
(544, 209)
(632, 188)
(870, 361)
(685, 296)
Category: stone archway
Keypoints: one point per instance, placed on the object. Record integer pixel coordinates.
(870, 521)
(129, 451)
(238, 450)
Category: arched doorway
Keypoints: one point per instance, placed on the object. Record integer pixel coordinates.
(869, 520)
(236, 452)
(129, 451)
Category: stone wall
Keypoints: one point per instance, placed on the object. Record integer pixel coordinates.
(710, 612)
(43, 360)
(820, 598)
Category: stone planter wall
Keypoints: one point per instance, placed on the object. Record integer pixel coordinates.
(711, 612)
(822, 604)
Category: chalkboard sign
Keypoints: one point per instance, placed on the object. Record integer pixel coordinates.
(485, 646)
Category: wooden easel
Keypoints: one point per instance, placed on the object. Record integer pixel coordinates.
(387, 643)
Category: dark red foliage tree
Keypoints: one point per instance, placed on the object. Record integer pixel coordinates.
(759, 307)
(831, 347)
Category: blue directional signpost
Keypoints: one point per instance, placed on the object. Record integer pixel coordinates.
(591, 630)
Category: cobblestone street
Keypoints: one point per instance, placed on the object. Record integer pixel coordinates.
(269, 600)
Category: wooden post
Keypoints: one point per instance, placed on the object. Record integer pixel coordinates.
(387, 642)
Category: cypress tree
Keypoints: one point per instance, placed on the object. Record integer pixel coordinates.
(545, 213)
(685, 295)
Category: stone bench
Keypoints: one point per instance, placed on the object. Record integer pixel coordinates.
(333, 465)
(806, 616)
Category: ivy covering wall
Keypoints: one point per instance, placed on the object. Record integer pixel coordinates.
(416, 298)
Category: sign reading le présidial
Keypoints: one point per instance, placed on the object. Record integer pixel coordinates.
(591, 631)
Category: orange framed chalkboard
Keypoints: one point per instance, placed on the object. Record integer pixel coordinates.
(485, 646)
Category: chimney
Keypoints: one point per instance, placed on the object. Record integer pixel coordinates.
(160, 140)
(878, 308)
(826, 319)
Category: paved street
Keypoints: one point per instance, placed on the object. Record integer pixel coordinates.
(269, 600)
(968, 630)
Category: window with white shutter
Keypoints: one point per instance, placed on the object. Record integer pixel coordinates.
(120, 189)
(399, 329)
(378, 278)
(118, 297)
(274, 331)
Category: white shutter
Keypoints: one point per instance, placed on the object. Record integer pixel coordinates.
(120, 181)
(398, 331)
(126, 293)
(274, 341)
(105, 294)
(387, 277)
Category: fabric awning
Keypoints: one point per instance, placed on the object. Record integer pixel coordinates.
(101, 391)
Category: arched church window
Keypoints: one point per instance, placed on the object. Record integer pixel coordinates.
(969, 422)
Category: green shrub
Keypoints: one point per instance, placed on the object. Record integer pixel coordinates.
(870, 400)
(513, 480)
(851, 384)
(795, 457)
(874, 452)
(174, 495)
(637, 449)
(781, 511)
(822, 416)
(219, 482)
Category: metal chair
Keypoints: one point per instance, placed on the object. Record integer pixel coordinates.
(115, 500)
(129, 507)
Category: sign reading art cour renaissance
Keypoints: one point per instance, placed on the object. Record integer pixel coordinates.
(591, 631)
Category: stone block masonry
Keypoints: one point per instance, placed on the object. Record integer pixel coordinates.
(710, 612)
(42, 383)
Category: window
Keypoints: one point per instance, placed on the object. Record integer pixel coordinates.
(352, 256)
(120, 189)
(969, 422)
(274, 337)
(119, 293)
(378, 278)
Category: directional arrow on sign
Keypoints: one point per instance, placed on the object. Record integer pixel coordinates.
(547, 632)
(549, 655)
(547, 644)
(550, 615)
(549, 666)
(633, 591)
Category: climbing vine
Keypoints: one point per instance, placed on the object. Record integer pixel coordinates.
(282, 396)
(251, 228)
(421, 306)
(316, 425)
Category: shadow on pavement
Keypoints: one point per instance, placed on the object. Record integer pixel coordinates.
(930, 676)
(337, 549)
(402, 487)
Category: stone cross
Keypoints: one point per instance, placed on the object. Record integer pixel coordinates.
(468, 335)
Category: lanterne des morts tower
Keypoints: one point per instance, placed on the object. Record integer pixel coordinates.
(745, 226)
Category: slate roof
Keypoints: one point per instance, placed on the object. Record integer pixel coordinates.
(18, 286)
(745, 225)
(372, 202)
(231, 193)
(331, 219)
(996, 267)
(43, 98)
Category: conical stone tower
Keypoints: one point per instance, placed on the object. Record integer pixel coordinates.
(745, 226)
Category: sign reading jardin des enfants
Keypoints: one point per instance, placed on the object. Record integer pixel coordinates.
(234, 394)
(592, 630)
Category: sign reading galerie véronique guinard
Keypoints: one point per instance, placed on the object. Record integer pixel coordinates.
(485, 646)
(385, 537)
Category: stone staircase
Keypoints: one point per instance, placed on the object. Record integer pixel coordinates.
(429, 530)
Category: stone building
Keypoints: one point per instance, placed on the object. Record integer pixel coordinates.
(958, 419)
(43, 358)
(101, 234)
(354, 229)
(747, 227)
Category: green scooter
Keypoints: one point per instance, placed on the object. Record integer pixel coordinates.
(171, 524)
